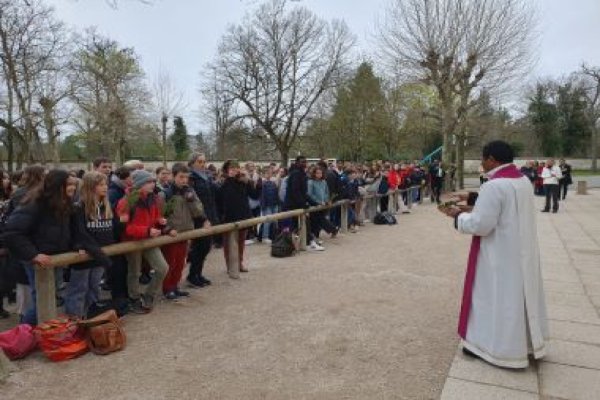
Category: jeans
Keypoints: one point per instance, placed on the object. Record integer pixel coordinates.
(199, 251)
(552, 193)
(156, 260)
(83, 290)
(30, 316)
(564, 188)
(319, 222)
(265, 229)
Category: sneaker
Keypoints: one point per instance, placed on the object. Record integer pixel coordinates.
(319, 242)
(316, 247)
(353, 229)
(136, 307)
(335, 233)
(148, 302)
(267, 241)
(206, 282)
(182, 293)
(195, 283)
(544, 210)
(243, 269)
(145, 279)
(171, 296)
(249, 242)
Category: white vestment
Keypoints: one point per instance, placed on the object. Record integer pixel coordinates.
(507, 318)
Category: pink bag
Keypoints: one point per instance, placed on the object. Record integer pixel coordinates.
(18, 341)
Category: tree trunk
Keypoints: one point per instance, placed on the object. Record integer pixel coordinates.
(594, 149)
(10, 149)
(460, 161)
(285, 155)
(164, 139)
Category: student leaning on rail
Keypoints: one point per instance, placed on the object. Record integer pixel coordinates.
(96, 224)
(182, 208)
(140, 211)
(43, 225)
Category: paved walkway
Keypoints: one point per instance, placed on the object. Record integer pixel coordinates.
(570, 248)
(373, 317)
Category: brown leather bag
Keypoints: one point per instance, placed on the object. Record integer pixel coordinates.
(104, 333)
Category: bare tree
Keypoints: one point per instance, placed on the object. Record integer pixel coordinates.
(458, 46)
(218, 108)
(168, 102)
(110, 94)
(31, 40)
(277, 64)
(591, 88)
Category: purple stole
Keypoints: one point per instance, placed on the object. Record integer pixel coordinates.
(509, 172)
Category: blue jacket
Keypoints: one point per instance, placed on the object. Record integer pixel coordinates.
(269, 195)
(318, 191)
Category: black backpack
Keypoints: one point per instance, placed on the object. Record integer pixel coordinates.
(384, 218)
(283, 245)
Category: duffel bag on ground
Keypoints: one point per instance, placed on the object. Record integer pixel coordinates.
(283, 245)
(61, 339)
(104, 333)
(18, 341)
(385, 218)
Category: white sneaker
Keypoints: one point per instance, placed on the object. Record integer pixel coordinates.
(267, 241)
(314, 246)
(249, 242)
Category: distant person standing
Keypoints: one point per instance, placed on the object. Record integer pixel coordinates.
(437, 175)
(551, 175)
(566, 180)
(503, 314)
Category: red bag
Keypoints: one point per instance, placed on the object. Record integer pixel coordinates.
(61, 339)
(18, 341)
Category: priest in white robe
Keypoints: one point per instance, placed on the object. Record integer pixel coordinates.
(503, 314)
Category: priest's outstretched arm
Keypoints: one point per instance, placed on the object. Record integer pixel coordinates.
(485, 215)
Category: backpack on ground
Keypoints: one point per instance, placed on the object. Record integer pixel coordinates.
(104, 333)
(283, 245)
(385, 218)
(17, 342)
(61, 339)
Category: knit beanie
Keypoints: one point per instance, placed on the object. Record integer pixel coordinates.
(141, 177)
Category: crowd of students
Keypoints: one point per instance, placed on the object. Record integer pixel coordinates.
(48, 212)
(549, 180)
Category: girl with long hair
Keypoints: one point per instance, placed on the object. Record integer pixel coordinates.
(95, 218)
(43, 225)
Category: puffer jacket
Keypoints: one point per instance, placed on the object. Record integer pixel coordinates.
(206, 190)
(183, 207)
(145, 215)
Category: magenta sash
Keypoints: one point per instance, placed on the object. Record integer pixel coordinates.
(509, 172)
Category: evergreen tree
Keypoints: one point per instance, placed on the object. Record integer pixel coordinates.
(543, 116)
(179, 138)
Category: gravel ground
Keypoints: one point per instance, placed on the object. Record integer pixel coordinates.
(372, 317)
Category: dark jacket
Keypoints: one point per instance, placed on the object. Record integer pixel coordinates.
(269, 194)
(566, 179)
(100, 233)
(33, 229)
(115, 192)
(233, 200)
(206, 190)
(297, 190)
(334, 183)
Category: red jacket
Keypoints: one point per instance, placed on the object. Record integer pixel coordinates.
(393, 179)
(146, 215)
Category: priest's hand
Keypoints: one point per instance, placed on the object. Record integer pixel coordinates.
(451, 211)
(460, 196)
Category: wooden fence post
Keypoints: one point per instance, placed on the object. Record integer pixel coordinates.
(581, 187)
(45, 288)
(409, 197)
(302, 232)
(392, 204)
(233, 258)
(344, 217)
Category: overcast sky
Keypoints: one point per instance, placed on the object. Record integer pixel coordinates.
(182, 35)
